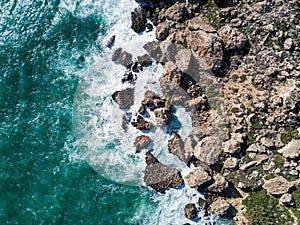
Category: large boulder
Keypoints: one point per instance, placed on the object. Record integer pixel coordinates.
(220, 207)
(126, 59)
(198, 177)
(162, 30)
(207, 48)
(190, 211)
(141, 142)
(138, 20)
(219, 185)
(177, 12)
(159, 176)
(124, 98)
(292, 150)
(176, 147)
(233, 39)
(277, 186)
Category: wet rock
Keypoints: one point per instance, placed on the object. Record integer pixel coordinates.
(202, 203)
(190, 211)
(124, 98)
(129, 77)
(198, 177)
(160, 177)
(126, 59)
(292, 150)
(141, 142)
(162, 116)
(142, 110)
(116, 55)
(220, 207)
(176, 147)
(144, 125)
(277, 186)
(138, 20)
(207, 48)
(111, 41)
(153, 48)
(144, 60)
(150, 159)
(234, 40)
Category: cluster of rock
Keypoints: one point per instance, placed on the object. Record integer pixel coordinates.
(253, 49)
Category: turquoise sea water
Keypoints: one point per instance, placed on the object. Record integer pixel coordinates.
(44, 47)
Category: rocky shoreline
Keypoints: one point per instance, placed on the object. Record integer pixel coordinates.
(245, 148)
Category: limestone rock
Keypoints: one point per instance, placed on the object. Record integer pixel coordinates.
(287, 199)
(292, 150)
(277, 186)
(231, 163)
(198, 177)
(176, 13)
(141, 142)
(219, 185)
(200, 23)
(220, 207)
(124, 98)
(190, 211)
(162, 30)
(207, 48)
(162, 116)
(234, 40)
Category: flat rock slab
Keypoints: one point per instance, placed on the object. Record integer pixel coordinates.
(277, 186)
(292, 150)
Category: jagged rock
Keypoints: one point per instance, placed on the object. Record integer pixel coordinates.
(209, 152)
(220, 207)
(176, 13)
(189, 146)
(202, 203)
(141, 142)
(144, 125)
(231, 163)
(245, 181)
(176, 147)
(111, 41)
(159, 176)
(288, 44)
(116, 55)
(190, 211)
(277, 186)
(150, 159)
(198, 177)
(162, 116)
(200, 23)
(142, 110)
(126, 59)
(291, 150)
(232, 146)
(138, 20)
(219, 185)
(162, 30)
(207, 48)
(129, 77)
(287, 199)
(153, 48)
(124, 98)
(144, 60)
(187, 63)
(234, 40)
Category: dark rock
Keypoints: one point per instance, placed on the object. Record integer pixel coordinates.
(177, 13)
(142, 110)
(154, 50)
(144, 60)
(149, 27)
(126, 59)
(150, 159)
(116, 55)
(128, 77)
(159, 176)
(176, 147)
(190, 211)
(141, 142)
(111, 41)
(162, 30)
(125, 121)
(202, 203)
(124, 98)
(138, 20)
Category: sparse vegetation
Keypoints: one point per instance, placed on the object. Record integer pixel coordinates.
(264, 209)
(289, 134)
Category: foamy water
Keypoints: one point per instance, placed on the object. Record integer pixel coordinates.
(97, 120)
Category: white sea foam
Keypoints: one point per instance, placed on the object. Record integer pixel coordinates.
(97, 120)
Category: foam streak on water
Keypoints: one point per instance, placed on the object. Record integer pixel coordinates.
(97, 124)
